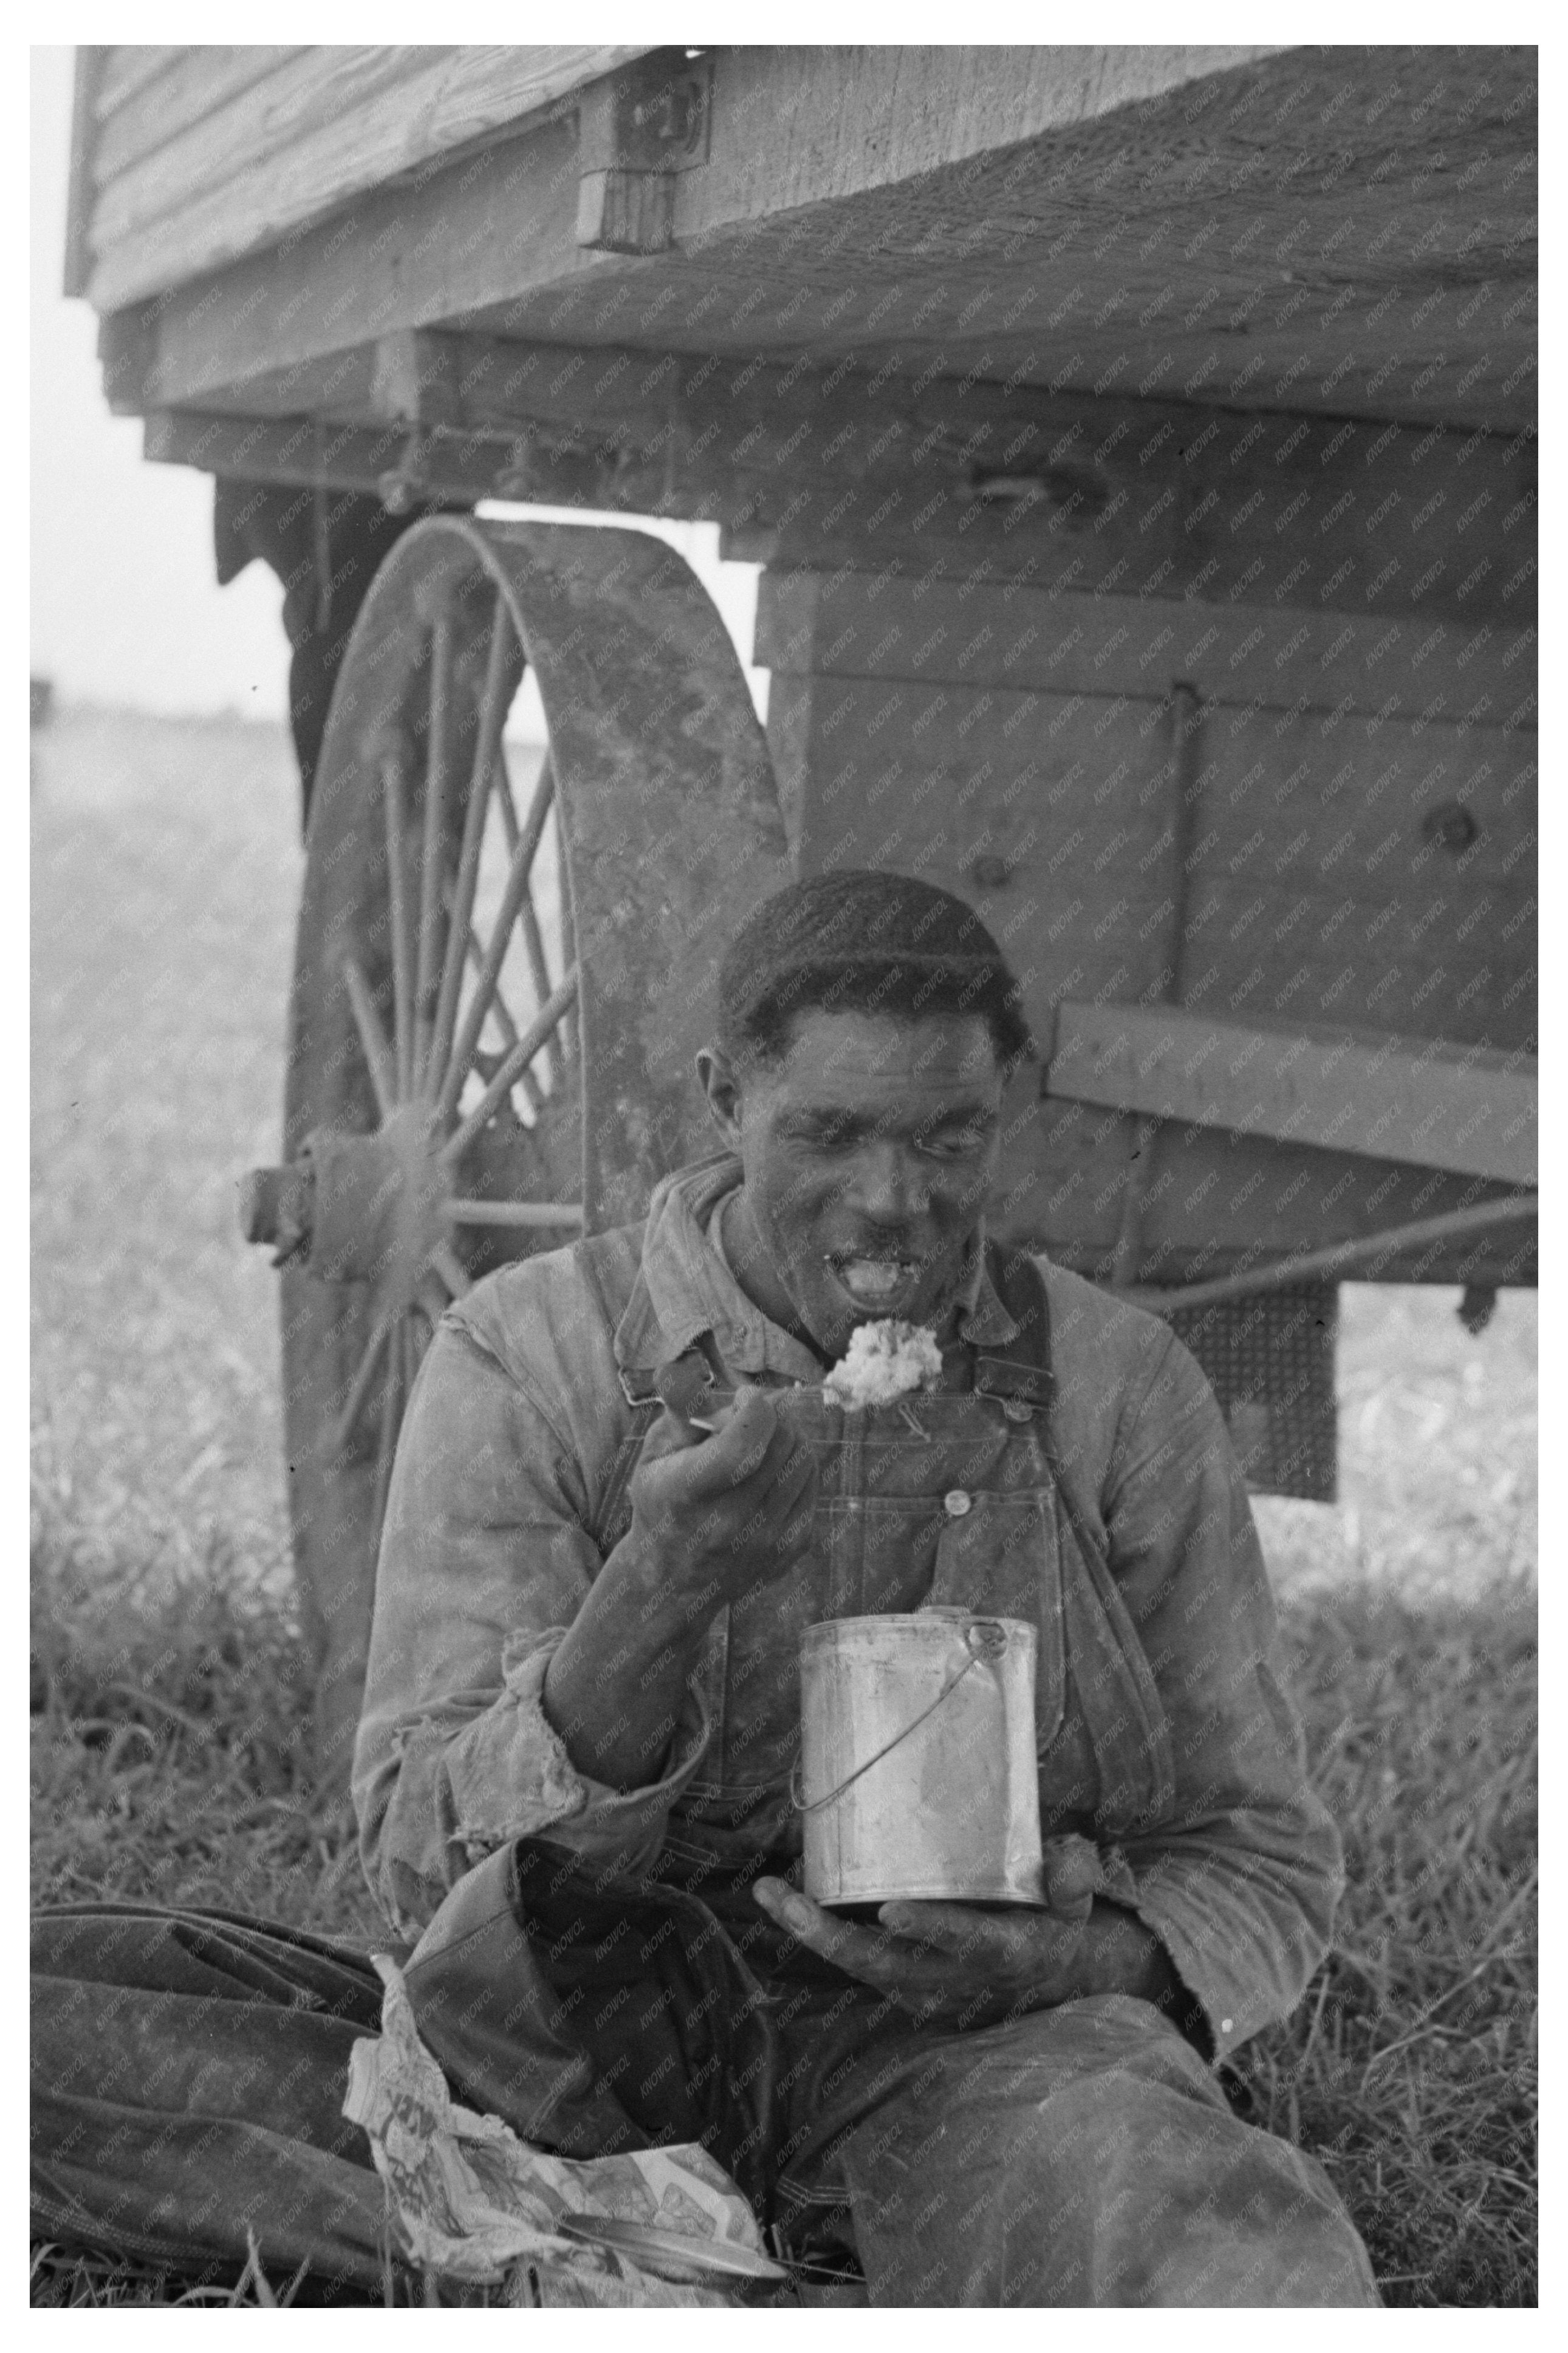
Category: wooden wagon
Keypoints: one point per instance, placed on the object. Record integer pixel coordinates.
(1140, 445)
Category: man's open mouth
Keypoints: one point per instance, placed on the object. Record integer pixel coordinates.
(883, 1284)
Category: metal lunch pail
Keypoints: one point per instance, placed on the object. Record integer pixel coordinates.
(917, 1774)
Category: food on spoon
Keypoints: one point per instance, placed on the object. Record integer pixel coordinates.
(883, 1362)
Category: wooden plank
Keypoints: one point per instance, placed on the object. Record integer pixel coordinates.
(127, 69)
(804, 125)
(1219, 1201)
(1365, 1260)
(1315, 888)
(1265, 508)
(1074, 809)
(1328, 279)
(342, 457)
(223, 156)
(1062, 833)
(1180, 222)
(876, 625)
(77, 266)
(322, 131)
(1135, 497)
(490, 89)
(1382, 874)
(193, 85)
(1147, 497)
(1164, 244)
(1393, 1099)
(451, 97)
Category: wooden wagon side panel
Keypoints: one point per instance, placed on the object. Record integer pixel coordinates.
(1252, 814)
(199, 156)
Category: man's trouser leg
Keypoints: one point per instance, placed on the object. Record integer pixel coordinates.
(595, 2014)
(1080, 2155)
(188, 2078)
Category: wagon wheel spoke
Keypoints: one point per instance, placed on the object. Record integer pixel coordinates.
(431, 1298)
(452, 1270)
(535, 946)
(372, 1037)
(527, 834)
(507, 806)
(364, 1377)
(544, 1025)
(397, 909)
(433, 851)
(466, 1039)
(486, 760)
(527, 837)
(437, 992)
(418, 1333)
(398, 1337)
(391, 1398)
(515, 1213)
(504, 1021)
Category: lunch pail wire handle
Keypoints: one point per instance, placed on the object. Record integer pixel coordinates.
(984, 1639)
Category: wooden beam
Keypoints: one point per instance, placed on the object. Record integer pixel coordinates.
(327, 126)
(127, 69)
(1023, 640)
(1247, 236)
(1382, 1257)
(900, 112)
(190, 87)
(1472, 1113)
(809, 467)
(389, 462)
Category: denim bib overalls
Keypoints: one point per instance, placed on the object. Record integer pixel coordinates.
(954, 1497)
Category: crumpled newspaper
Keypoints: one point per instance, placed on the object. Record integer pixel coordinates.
(476, 2203)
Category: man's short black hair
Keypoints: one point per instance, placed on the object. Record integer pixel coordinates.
(862, 941)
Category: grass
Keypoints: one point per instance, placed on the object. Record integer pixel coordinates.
(1410, 2068)
(171, 1752)
(170, 1765)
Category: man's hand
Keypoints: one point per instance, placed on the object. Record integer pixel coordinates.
(715, 1515)
(958, 1965)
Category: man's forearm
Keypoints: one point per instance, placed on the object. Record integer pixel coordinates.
(615, 1686)
(1117, 1954)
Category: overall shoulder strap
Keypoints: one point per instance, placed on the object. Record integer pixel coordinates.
(611, 1275)
(1022, 1367)
(1021, 1286)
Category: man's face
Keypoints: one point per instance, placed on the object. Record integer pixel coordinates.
(868, 1153)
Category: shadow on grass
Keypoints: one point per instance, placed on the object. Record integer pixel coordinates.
(171, 1765)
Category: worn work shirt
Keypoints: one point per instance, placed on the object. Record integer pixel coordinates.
(1164, 1732)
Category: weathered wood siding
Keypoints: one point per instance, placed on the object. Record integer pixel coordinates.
(199, 155)
(1285, 818)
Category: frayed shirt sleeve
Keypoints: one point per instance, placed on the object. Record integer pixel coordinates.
(486, 1559)
(1240, 1877)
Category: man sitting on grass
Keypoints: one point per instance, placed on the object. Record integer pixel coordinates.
(583, 1711)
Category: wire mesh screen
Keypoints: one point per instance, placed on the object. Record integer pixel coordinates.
(1271, 1359)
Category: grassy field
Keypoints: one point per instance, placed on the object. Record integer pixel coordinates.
(169, 1706)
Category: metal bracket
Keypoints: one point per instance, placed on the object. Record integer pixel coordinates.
(635, 131)
(653, 116)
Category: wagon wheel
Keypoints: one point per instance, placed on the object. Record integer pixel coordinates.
(501, 979)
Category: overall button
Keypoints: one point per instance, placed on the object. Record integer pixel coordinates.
(1017, 1409)
(955, 1502)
